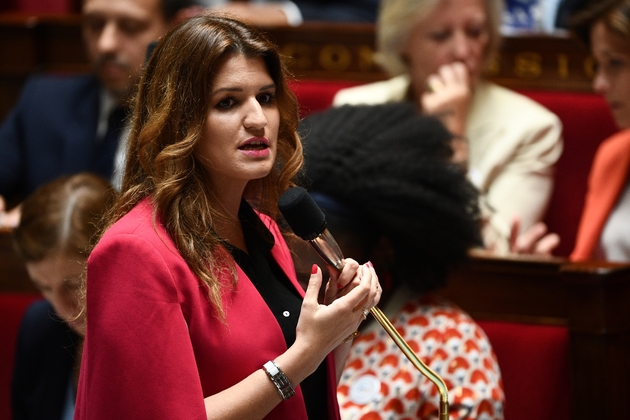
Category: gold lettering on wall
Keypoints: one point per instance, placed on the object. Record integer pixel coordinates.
(563, 66)
(589, 67)
(528, 65)
(335, 57)
(300, 55)
(494, 67)
(366, 58)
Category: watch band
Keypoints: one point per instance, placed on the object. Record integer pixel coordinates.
(279, 379)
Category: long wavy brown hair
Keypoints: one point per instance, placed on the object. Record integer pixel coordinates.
(170, 110)
(614, 14)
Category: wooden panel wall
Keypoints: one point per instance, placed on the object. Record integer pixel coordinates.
(315, 51)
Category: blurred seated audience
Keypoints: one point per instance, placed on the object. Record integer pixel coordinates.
(383, 176)
(509, 144)
(565, 9)
(538, 16)
(54, 238)
(604, 230)
(65, 124)
(293, 13)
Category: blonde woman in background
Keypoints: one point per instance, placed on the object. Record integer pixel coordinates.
(437, 50)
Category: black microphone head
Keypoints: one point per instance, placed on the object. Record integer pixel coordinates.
(302, 213)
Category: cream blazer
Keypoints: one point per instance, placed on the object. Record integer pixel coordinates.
(514, 143)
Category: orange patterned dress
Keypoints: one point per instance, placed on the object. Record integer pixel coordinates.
(380, 383)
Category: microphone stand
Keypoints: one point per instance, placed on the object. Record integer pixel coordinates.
(328, 249)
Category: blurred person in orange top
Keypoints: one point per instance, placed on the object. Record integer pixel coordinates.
(604, 229)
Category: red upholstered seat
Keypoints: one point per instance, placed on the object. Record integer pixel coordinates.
(317, 95)
(534, 365)
(586, 121)
(39, 6)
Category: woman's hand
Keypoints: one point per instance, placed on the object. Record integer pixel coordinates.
(323, 327)
(534, 241)
(9, 219)
(448, 97)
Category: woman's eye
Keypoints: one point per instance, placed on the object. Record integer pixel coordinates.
(475, 32)
(439, 35)
(615, 63)
(226, 103)
(266, 98)
(611, 64)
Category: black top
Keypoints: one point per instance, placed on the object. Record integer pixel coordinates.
(281, 297)
(44, 360)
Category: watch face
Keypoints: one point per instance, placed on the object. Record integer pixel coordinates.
(271, 368)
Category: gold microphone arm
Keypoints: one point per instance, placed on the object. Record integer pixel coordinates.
(327, 248)
(413, 358)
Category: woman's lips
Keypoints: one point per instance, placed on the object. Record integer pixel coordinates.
(255, 147)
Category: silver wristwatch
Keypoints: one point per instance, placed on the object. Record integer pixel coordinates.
(279, 379)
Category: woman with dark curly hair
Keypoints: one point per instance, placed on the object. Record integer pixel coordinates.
(193, 307)
(383, 176)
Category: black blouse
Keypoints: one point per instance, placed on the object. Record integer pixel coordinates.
(281, 297)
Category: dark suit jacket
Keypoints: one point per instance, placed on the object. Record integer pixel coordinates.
(46, 348)
(50, 132)
(341, 11)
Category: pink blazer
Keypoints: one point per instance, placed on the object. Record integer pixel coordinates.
(154, 348)
(608, 177)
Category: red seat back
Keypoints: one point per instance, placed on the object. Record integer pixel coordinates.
(534, 362)
(586, 121)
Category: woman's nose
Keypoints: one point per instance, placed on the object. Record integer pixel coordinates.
(460, 47)
(255, 117)
(600, 83)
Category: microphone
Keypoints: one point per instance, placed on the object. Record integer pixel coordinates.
(308, 222)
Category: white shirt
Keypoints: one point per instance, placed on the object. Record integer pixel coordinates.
(614, 244)
(107, 105)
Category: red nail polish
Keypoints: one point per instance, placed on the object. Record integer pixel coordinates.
(314, 269)
(369, 264)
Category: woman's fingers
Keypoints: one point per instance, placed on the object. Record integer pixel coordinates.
(547, 244)
(370, 278)
(329, 324)
(534, 241)
(450, 76)
(364, 291)
(454, 74)
(348, 274)
(314, 284)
